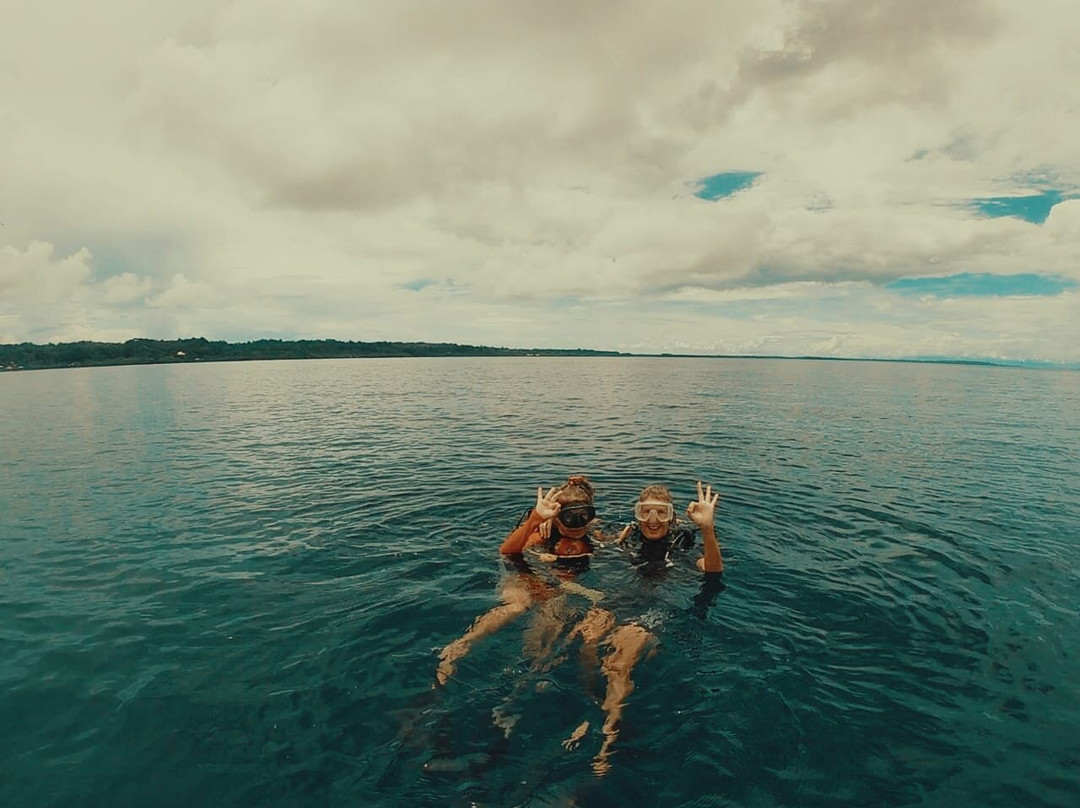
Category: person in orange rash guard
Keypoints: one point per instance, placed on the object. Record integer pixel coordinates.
(569, 508)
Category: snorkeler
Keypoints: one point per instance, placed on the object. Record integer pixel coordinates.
(654, 538)
(569, 508)
(657, 535)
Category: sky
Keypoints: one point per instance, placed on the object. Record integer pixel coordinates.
(852, 178)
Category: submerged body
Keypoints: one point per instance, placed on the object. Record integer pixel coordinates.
(570, 510)
(557, 526)
(654, 540)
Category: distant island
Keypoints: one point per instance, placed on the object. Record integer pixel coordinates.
(30, 356)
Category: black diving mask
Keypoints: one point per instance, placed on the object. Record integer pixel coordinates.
(575, 516)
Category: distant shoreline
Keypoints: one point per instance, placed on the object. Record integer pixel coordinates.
(31, 356)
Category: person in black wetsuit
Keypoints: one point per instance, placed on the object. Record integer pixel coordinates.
(653, 538)
(657, 534)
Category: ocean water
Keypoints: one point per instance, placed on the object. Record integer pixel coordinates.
(228, 584)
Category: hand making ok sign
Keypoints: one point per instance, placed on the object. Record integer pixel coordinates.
(701, 512)
(547, 507)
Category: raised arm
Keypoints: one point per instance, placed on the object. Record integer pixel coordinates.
(546, 508)
(702, 514)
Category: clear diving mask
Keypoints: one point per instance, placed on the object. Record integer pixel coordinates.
(654, 511)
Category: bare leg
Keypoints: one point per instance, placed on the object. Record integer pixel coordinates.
(516, 601)
(540, 637)
(539, 643)
(539, 640)
(593, 626)
(628, 643)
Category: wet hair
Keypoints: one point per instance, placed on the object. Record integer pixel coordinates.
(577, 488)
(657, 493)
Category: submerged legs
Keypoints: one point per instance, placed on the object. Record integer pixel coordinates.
(516, 601)
(540, 637)
(628, 642)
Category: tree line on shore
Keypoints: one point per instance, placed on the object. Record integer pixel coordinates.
(30, 356)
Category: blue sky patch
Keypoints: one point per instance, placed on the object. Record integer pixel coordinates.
(1032, 208)
(968, 284)
(725, 184)
(418, 284)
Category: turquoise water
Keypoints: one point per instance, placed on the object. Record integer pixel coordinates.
(227, 584)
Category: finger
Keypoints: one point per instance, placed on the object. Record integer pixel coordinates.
(715, 499)
(539, 495)
(700, 493)
(551, 492)
(708, 492)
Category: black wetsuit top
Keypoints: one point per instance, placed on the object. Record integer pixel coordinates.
(656, 555)
(653, 558)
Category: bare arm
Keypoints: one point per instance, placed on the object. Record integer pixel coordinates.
(702, 513)
(713, 561)
(525, 534)
(518, 540)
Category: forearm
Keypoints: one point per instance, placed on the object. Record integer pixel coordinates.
(714, 562)
(518, 539)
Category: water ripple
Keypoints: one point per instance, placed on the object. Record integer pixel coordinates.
(228, 584)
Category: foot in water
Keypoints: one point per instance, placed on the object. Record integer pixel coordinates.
(447, 659)
(576, 736)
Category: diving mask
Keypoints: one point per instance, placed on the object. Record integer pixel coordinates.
(575, 516)
(654, 511)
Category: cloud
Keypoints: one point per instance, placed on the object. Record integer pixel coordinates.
(525, 174)
(36, 273)
(126, 288)
(834, 59)
(39, 289)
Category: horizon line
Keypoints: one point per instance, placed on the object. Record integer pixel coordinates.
(496, 350)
